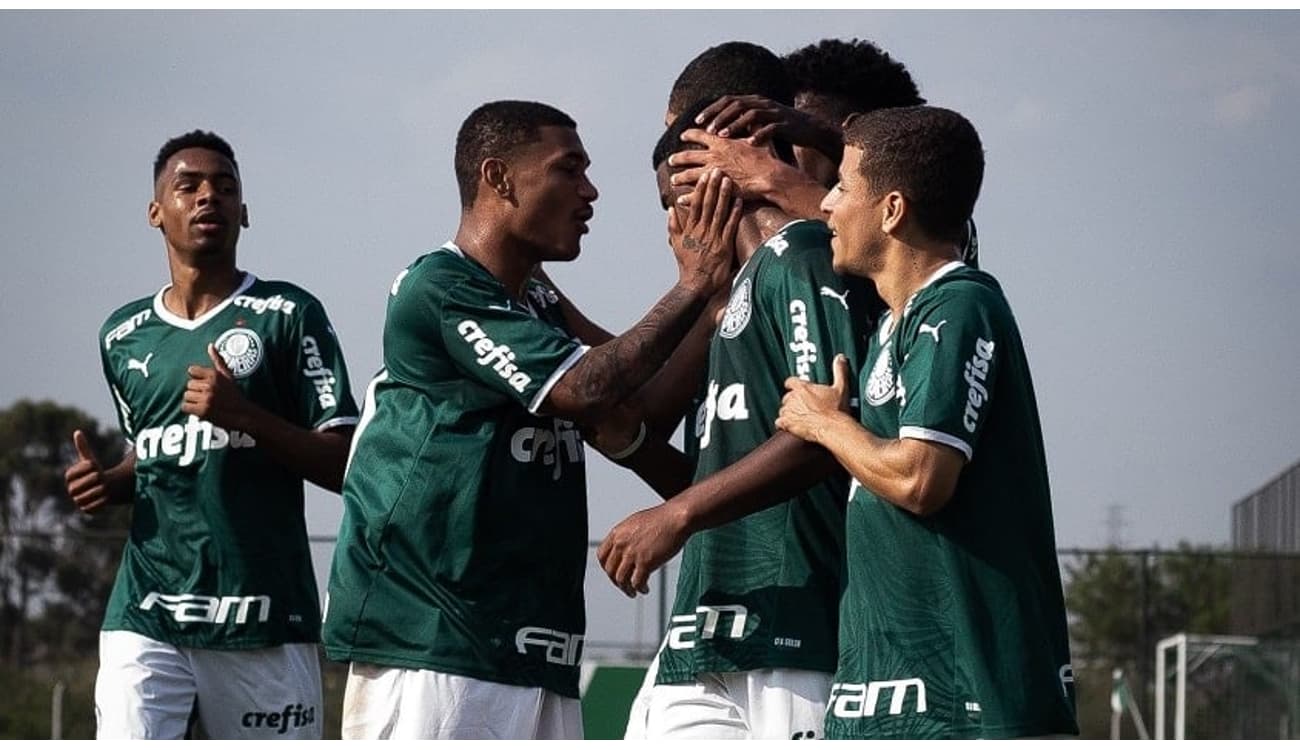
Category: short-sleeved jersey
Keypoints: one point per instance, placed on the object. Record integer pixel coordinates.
(953, 625)
(763, 591)
(464, 537)
(218, 555)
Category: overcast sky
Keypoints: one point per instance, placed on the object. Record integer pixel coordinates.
(1138, 205)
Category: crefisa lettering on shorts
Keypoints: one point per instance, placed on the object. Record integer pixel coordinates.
(291, 716)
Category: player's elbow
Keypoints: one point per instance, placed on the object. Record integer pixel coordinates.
(925, 494)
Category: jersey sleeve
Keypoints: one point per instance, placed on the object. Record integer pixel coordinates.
(954, 347)
(502, 345)
(120, 406)
(812, 314)
(323, 393)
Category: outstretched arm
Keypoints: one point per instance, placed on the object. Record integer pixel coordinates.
(609, 373)
(780, 468)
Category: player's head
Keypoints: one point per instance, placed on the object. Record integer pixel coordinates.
(834, 78)
(198, 198)
(730, 68)
(909, 173)
(523, 164)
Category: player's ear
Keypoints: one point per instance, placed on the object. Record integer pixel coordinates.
(155, 215)
(243, 215)
(496, 175)
(893, 212)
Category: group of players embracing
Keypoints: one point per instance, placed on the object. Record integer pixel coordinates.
(861, 501)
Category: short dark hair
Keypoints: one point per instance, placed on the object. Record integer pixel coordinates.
(497, 129)
(932, 155)
(731, 68)
(855, 76)
(671, 141)
(193, 139)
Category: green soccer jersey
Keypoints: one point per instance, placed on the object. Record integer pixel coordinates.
(218, 555)
(762, 592)
(464, 536)
(953, 625)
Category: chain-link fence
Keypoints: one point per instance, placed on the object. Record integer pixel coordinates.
(1121, 604)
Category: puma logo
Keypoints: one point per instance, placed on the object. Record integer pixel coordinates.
(143, 367)
(843, 298)
(932, 330)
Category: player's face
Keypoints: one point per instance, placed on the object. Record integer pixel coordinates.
(852, 211)
(198, 204)
(553, 194)
(668, 192)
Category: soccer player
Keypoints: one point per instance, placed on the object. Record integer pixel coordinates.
(952, 622)
(456, 590)
(232, 390)
(751, 647)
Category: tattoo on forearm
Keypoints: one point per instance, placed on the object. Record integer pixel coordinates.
(613, 371)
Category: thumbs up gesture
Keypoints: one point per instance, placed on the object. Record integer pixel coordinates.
(85, 479)
(808, 407)
(211, 393)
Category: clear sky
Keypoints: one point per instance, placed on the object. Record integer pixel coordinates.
(1137, 206)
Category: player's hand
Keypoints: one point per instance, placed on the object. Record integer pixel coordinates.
(759, 119)
(87, 485)
(808, 407)
(754, 169)
(704, 240)
(639, 545)
(211, 393)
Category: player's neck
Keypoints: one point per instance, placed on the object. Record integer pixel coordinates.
(756, 227)
(490, 247)
(905, 269)
(196, 289)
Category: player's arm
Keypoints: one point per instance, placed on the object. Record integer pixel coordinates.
(918, 476)
(587, 331)
(756, 170)
(93, 487)
(663, 400)
(319, 456)
(782, 467)
(609, 373)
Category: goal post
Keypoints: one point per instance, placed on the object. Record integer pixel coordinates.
(1227, 687)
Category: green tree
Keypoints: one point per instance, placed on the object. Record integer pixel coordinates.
(1122, 603)
(56, 564)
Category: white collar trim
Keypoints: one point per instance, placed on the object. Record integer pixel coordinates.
(167, 316)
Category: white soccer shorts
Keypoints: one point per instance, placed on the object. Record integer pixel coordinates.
(383, 703)
(148, 689)
(769, 704)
